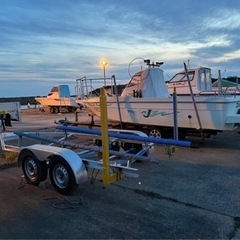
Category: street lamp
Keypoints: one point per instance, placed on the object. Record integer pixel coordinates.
(104, 64)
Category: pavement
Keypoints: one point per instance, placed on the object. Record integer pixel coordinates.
(194, 194)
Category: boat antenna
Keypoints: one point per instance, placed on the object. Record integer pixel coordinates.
(129, 65)
(148, 63)
(223, 73)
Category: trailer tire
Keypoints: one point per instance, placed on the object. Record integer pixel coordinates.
(70, 109)
(61, 175)
(155, 132)
(51, 110)
(56, 110)
(34, 170)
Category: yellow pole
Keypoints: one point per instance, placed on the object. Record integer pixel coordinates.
(108, 177)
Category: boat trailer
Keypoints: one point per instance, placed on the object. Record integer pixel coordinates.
(67, 157)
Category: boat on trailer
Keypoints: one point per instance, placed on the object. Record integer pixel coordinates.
(67, 155)
(59, 99)
(146, 104)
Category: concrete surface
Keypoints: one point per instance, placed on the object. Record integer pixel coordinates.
(194, 194)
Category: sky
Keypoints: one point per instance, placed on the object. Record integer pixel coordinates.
(44, 43)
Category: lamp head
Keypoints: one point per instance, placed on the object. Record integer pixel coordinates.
(104, 63)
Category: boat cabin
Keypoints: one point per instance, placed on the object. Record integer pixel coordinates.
(61, 91)
(149, 83)
(153, 84)
(200, 79)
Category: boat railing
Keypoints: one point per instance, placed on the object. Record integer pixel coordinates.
(208, 92)
(90, 87)
(232, 90)
(226, 91)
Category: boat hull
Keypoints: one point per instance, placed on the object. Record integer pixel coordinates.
(57, 102)
(215, 113)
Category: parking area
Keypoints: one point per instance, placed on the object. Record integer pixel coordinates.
(192, 194)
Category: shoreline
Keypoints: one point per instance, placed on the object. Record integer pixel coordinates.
(22, 100)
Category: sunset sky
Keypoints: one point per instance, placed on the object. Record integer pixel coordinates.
(51, 42)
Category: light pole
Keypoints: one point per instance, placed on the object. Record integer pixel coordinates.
(104, 64)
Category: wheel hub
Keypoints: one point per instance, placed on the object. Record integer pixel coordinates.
(31, 169)
(155, 133)
(61, 176)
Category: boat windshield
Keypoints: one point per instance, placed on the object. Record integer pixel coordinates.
(136, 80)
(180, 77)
(54, 89)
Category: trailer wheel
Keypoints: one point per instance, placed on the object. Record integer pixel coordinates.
(155, 132)
(34, 170)
(51, 110)
(62, 176)
(70, 109)
(56, 110)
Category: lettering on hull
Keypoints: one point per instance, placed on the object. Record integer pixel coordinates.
(150, 113)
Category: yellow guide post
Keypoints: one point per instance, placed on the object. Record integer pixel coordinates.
(108, 177)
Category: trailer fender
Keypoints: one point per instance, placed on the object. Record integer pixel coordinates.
(44, 152)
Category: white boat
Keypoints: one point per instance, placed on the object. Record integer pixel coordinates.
(146, 102)
(201, 83)
(59, 98)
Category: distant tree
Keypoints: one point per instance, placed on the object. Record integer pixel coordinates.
(234, 79)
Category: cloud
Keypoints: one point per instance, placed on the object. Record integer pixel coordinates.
(62, 40)
(227, 19)
(234, 55)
